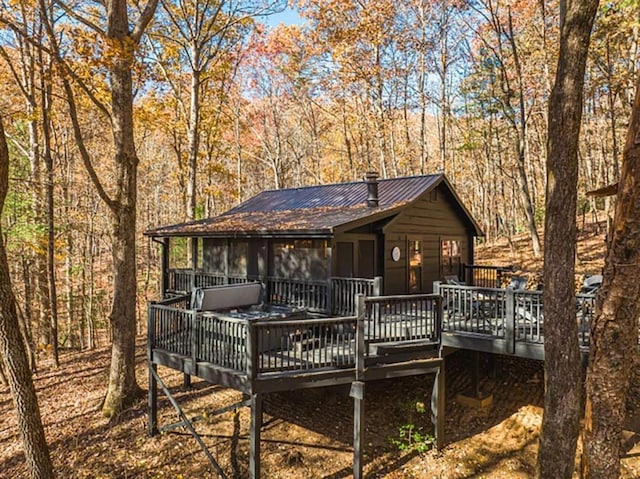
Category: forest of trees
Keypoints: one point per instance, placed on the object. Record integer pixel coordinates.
(225, 107)
(122, 116)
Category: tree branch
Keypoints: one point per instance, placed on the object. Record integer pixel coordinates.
(144, 20)
(73, 112)
(69, 11)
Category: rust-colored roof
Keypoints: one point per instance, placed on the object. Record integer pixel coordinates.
(310, 221)
(311, 210)
(390, 192)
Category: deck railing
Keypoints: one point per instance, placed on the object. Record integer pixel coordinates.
(472, 309)
(222, 341)
(333, 297)
(184, 280)
(344, 291)
(505, 314)
(170, 326)
(311, 344)
(263, 346)
(485, 276)
(403, 318)
(311, 295)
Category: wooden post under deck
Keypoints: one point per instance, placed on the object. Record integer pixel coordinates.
(153, 401)
(357, 392)
(152, 411)
(254, 435)
(475, 373)
(438, 405)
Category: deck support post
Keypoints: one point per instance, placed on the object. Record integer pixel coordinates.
(437, 406)
(510, 321)
(475, 373)
(194, 261)
(165, 286)
(357, 393)
(254, 435)
(357, 390)
(152, 411)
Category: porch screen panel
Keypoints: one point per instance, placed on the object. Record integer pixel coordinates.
(214, 255)
(238, 252)
(179, 253)
(300, 259)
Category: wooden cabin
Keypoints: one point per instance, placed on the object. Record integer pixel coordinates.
(364, 256)
(317, 246)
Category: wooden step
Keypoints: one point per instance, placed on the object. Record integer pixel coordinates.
(402, 347)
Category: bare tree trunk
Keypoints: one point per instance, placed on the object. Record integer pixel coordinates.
(121, 41)
(193, 134)
(521, 145)
(13, 354)
(561, 420)
(45, 97)
(614, 330)
(23, 315)
(123, 387)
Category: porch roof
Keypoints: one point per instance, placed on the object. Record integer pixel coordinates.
(312, 210)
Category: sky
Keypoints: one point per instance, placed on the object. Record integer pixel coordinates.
(288, 17)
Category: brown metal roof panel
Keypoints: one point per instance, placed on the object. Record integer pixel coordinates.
(390, 191)
(316, 220)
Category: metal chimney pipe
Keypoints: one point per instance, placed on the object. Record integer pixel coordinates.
(371, 178)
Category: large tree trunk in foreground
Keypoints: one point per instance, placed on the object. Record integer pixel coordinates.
(123, 388)
(614, 330)
(13, 353)
(121, 42)
(562, 405)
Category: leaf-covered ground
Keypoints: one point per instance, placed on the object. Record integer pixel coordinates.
(308, 433)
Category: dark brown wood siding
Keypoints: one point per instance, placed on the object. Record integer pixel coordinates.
(433, 218)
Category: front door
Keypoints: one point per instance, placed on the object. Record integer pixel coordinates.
(450, 258)
(415, 266)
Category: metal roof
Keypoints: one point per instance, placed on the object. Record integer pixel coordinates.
(390, 192)
(310, 210)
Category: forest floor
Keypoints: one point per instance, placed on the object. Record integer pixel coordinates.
(308, 434)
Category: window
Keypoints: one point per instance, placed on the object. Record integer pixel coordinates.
(415, 266)
(451, 258)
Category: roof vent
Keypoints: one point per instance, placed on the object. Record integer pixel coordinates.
(371, 178)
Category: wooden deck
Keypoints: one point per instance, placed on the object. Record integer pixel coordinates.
(388, 337)
(281, 354)
(503, 321)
